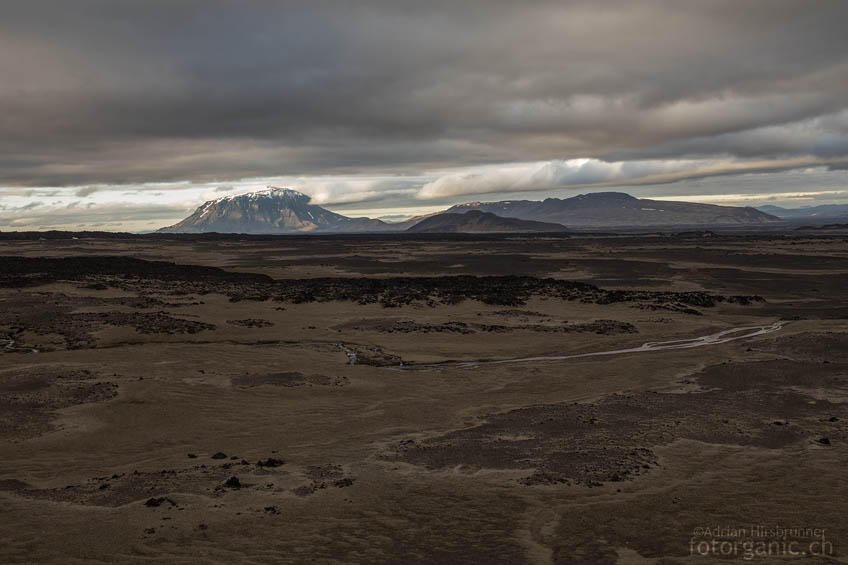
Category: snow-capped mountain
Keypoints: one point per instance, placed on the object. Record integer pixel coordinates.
(275, 210)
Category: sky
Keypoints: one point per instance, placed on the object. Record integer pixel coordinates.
(126, 115)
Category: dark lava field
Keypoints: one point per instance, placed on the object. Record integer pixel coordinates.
(429, 399)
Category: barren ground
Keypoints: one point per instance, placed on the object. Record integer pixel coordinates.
(246, 405)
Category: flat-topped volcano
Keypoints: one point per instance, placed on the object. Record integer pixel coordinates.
(275, 210)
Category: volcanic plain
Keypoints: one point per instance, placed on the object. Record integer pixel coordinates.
(332, 399)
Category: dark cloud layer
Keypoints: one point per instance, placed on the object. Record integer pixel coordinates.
(106, 91)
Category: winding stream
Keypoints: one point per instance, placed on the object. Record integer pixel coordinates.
(713, 339)
(10, 346)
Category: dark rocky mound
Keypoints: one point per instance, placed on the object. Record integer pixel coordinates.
(476, 221)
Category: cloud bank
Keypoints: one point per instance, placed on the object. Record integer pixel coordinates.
(433, 99)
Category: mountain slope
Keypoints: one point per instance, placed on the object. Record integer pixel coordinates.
(616, 209)
(822, 211)
(475, 221)
(276, 210)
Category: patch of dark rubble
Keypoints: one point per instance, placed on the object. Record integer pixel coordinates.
(159, 277)
(251, 323)
(602, 327)
(322, 477)
(29, 398)
(513, 313)
(144, 322)
(763, 404)
(163, 489)
(119, 489)
(503, 290)
(288, 379)
(56, 313)
(270, 462)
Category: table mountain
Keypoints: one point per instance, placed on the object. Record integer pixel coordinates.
(616, 209)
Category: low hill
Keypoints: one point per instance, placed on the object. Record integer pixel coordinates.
(475, 221)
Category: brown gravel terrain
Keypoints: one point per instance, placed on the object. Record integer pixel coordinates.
(227, 400)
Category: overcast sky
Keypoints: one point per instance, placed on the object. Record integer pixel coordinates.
(129, 114)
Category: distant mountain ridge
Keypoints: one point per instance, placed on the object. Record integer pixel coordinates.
(476, 221)
(283, 210)
(617, 209)
(821, 211)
